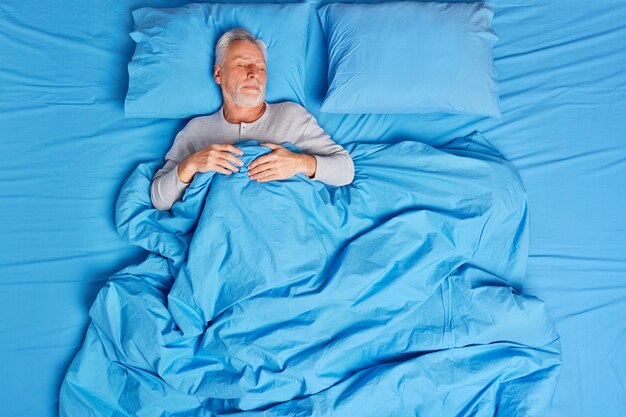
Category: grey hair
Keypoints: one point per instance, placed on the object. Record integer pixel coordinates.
(237, 34)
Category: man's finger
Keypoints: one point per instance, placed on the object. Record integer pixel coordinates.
(261, 168)
(222, 170)
(261, 160)
(234, 149)
(263, 174)
(229, 157)
(272, 146)
(272, 177)
(226, 164)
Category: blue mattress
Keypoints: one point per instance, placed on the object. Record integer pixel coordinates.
(68, 149)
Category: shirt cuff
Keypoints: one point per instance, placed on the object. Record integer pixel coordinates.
(323, 167)
(179, 184)
(335, 170)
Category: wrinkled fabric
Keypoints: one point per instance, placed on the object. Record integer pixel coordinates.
(398, 295)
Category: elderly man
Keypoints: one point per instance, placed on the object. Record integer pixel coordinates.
(205, 143)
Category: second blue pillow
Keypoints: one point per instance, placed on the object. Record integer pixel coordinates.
(410, 57)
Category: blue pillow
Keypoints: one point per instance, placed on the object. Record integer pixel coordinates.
(410, 57)
(171, 72)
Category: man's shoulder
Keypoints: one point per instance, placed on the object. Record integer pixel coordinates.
(197, 125)
(289, 109)
(203, 120)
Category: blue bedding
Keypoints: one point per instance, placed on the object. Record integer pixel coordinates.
(67, 149)
(293, 298)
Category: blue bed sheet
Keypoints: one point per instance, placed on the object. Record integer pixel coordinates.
(67, 150)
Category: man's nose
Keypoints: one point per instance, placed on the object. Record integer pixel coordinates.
(252, 71)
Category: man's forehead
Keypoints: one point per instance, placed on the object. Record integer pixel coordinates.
(243, 49)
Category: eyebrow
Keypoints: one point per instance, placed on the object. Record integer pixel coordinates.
(245, 58)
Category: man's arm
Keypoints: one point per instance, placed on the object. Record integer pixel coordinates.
(169, 183)
(334, 165)
(336, 169)
(167, 188)
(321, 160)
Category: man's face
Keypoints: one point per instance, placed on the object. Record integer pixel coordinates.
(242, 74)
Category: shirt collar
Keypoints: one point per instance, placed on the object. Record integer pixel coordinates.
(257, 121)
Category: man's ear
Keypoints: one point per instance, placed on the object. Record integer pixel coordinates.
(216, 74)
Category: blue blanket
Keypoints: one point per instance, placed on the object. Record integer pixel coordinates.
(398, 295)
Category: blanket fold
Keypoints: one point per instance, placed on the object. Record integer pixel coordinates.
(398, 295)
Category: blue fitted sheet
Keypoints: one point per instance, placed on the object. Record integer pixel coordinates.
(67, 149)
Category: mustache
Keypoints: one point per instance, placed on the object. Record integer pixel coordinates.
(251, 84)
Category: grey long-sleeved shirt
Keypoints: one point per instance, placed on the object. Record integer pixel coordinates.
(281, 122)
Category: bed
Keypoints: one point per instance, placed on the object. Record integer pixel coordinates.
(68, 149)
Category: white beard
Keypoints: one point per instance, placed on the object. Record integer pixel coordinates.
(245, 100)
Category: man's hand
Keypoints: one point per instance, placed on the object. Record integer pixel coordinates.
(216, 157)
(281, 164)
